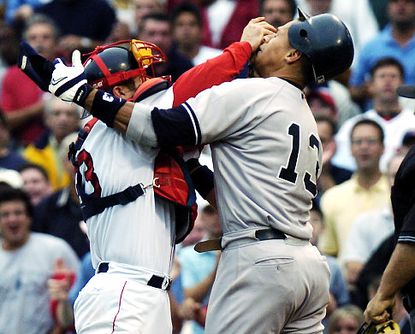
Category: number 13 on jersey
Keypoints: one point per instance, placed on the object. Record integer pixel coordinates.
(289, 172)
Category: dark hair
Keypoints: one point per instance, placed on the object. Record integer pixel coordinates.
(291, 3)
(42, 19)
(387, 61)
(9, 194)
(39, 168)
(367, 121)
(186, 7)
(327, 119)
(156, 16)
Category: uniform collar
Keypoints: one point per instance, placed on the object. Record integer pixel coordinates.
(150, 87)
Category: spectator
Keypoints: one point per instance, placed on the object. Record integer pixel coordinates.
(60, 214)
(278, 12)
(331, 175)
(9, 48)
(143, 8)
(21, 99)
(35, 182)
(9, 158)
(379, 8)
(223, 20)
(21, 10)
(335, 97)
(187, 33)
(339, 296)
(198, 270)
(386, 76)
(346, 319)
(367, 189)
(369, 230)
(26, 262)
(61, 118)
(322, 103)
(64, 294)
(155, 28)
(395, 40)
(83, 24)
(120, 31)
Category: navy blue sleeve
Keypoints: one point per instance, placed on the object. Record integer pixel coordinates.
(403, 199)
(176, 126)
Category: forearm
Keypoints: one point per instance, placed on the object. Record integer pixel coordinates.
(200, 291)
(399, 271)
(24, 115)
(122, 117)
(64, 314)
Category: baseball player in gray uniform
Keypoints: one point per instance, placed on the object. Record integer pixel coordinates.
(267, 157)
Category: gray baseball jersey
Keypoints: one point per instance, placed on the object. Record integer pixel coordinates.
(265, 149)
(266, 155)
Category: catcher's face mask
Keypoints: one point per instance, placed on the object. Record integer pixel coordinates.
(112, 64)
(388, 327)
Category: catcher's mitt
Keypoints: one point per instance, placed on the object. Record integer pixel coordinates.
(388, 327)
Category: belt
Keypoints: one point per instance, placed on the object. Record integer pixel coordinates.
(155, 281)
(215, 244)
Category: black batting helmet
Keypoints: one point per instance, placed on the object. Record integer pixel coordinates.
(115, 63)
(326, 42)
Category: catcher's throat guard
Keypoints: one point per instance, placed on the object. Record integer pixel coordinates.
(388, 327)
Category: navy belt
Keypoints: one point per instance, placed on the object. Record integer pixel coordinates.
(215, 244)
(155, 281)
(269, 233)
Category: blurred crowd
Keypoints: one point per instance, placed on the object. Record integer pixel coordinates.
(364, 127)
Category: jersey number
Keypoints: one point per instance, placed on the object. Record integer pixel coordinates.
(288, 173)
(84, 158)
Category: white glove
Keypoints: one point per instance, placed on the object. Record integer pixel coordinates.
(66, 80)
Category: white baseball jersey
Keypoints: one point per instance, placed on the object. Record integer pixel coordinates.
(140, 233)
(265, 149)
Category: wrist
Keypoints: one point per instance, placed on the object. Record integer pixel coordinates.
(105, 107)
(81, 95)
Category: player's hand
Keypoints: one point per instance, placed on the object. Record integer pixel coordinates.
(378, 309)
(67, 81)
(255, 31)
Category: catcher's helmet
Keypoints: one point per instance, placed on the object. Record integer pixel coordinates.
(326, 41)
(115, 63)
